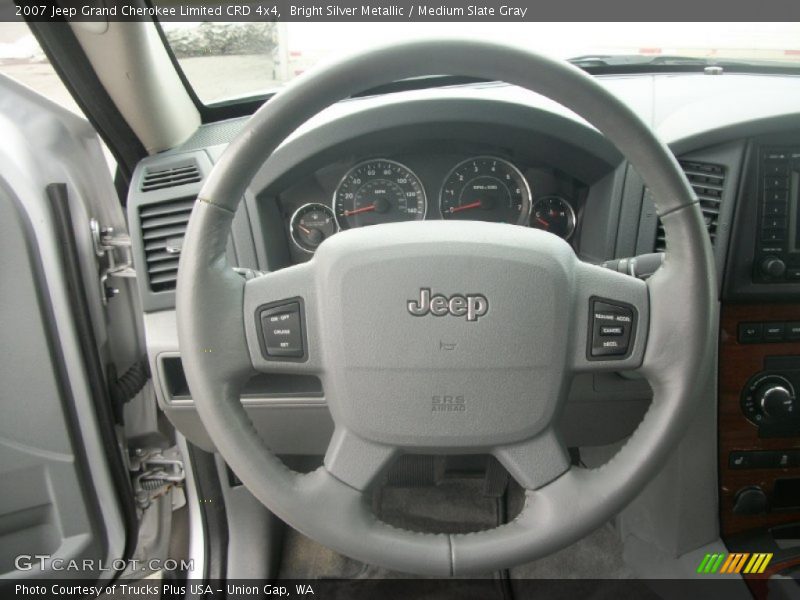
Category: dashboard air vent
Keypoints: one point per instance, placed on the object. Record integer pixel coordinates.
(175, 175)
(163, 227)
(707, 180)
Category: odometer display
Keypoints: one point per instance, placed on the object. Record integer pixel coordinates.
(486, 188)
(378, 191)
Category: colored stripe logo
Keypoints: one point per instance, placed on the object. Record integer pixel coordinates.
(737, 562)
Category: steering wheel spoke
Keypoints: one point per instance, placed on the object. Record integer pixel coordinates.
(280, 320)
(537, 461)
(611, 319)
(356, 461)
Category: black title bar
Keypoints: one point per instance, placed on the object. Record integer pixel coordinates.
(402, 10)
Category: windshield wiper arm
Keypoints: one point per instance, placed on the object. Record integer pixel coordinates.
(639, 61)
(621, 60)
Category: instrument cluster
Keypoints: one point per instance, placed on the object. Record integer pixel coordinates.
(481, 187)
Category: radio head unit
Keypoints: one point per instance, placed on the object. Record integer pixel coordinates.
(777, 253)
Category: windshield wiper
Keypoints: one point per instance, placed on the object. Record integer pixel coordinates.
(639, 62)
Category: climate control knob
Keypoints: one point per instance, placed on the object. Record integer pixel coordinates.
(770, 398)
(777, 401)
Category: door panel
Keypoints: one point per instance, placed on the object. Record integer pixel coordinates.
(60, 493)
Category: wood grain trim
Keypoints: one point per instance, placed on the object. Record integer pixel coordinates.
(737, 363)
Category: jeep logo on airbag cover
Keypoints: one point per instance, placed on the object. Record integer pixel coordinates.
(473, 306)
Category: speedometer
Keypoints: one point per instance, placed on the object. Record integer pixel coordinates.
(486, 188)
(378, 191)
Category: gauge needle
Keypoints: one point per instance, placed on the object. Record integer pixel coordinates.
(455, 209)
(305, 230)
(355, 211)
(543, 222)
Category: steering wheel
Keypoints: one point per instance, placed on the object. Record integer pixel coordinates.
(447, 337)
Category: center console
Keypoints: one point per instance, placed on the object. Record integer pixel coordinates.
(759, 359)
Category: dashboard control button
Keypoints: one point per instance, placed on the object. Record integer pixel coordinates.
(750, 333)
(764, 459)
(774, 332)
(739, 460)
(793, 331)
(776, 154)
(775, 208)
(282, 331)
(785, 460)
(610, 326)
(774, 223)
(793, 274)
(608, 348)
(776, 168)
(777, 196)
(776, 183)
(613, 330)
(773, 236)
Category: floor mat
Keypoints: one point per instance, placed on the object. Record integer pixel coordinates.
(449, 507)
(455, 507)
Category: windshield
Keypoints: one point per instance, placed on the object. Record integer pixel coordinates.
(223, 61)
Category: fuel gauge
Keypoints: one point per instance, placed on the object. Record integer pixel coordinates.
(311, 224)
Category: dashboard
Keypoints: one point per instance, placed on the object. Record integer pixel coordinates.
(425, 184)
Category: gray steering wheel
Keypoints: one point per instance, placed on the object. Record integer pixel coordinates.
(523, 312)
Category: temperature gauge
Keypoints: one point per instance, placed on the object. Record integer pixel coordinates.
(554, 214)
(311, 224)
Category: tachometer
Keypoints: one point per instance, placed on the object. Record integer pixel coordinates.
(378, 191)
(554, 214)
(312, 224)
(486, 188)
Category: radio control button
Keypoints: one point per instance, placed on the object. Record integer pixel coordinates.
(775, 207)
(776, 183)
(774, 223)
(776, 168)
(773, 235)
(772, 266)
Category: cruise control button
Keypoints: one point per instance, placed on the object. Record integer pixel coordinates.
(282, 330)
(612, 331)
(609, 348)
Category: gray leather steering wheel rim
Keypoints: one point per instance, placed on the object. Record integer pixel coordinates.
(211, 298)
